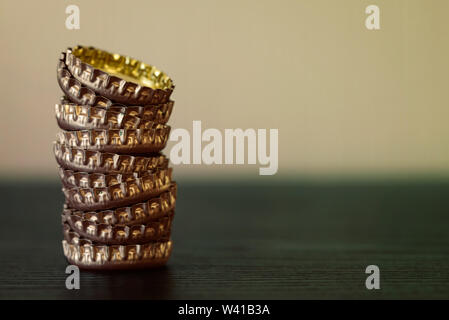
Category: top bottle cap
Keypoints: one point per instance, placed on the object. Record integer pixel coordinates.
(120, 78)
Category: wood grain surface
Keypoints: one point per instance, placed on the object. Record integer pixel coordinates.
(248, 241)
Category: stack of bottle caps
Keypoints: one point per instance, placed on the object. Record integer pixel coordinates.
(119, 193)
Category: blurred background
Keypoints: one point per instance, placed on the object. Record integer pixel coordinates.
(348, 101)
(368, 107)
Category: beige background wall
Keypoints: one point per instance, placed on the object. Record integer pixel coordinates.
(346, 100)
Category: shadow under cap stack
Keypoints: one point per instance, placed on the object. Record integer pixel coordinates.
(119, 194)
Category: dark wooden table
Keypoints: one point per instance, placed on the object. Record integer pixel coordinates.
(244, 240)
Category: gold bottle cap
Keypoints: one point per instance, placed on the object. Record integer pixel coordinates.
(88, 255)
(139, 213)
(71, 116)
(154, 230)
(122, 141)
(105, 162)
(71, 178)
(118, 195)
(120, 78)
